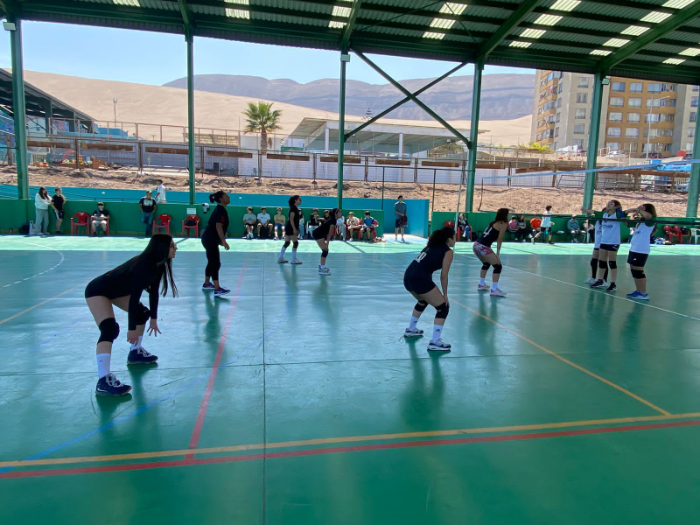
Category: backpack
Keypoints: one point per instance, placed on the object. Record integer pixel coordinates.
(24, 229)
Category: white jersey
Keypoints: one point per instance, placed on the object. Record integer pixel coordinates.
(598, 234)
(160, 194)
(611, 229)
(546, 220)
(641, 240)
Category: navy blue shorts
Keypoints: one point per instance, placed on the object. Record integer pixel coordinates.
(417, 282)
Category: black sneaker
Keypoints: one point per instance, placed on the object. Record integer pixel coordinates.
(598, 284)
(109, 385)
(612, 287)
(140, 357)
(220, 292)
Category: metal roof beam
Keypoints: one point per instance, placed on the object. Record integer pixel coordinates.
(349, 26)
(186, 15)
(659, 31)
(511, 23)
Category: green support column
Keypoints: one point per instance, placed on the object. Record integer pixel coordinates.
(694, 182)
(473, 135)
(344, 59)
(189, 38)
(19, 108)
(593, 137)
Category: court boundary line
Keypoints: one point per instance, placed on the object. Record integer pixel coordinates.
(39, 304)
(63, 258)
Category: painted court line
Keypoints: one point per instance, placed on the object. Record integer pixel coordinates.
(563, 359)
(339, 450)
(345, 439)
(38, 305)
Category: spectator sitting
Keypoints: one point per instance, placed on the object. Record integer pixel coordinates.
(353, 224)
(302, 229)
(463, 225)
(368, 227)
(522, 229)
(264, 222)
(314, 222)
(574, 228)
(340, 228)
(513, 226)
(100, 219)
(249, 220)
(280, 221)
(57, 202)
(148, 207)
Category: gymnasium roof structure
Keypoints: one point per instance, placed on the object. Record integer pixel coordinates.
(647, 39)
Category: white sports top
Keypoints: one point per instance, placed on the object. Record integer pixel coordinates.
(598, 233)
(546, 220)
(641, 240)
(611, 229)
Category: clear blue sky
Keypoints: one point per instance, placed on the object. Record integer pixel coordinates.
(155, 58)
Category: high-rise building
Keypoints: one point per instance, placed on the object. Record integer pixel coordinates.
(637, 116)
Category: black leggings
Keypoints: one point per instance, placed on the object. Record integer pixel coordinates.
(213, 260)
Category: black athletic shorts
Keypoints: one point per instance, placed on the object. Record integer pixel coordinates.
(610, 247)
(288, 230)
(637, 259)
(59, 214)
(417, 282)
(401, 222)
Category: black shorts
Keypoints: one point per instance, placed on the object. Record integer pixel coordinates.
(417, 282)
(401, 222)
(288, 230)
(610, 247)
(637, 259)
(60, 214)
(103, 286)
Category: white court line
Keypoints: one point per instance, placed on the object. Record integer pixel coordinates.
(638, 303)
(41, 273)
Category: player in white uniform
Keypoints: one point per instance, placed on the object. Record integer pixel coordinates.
(609, 244)
(596, 252)
(640, 248)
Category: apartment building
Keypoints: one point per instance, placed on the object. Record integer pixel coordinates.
(637, 117)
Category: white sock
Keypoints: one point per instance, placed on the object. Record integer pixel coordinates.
(494, 287)
(482, 281)
(294, 255)
(284, 249)
(322, 266)
(138, 344)
(413, 323)
(437, 331)
(103, 361)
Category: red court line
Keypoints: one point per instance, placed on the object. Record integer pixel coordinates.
(335, 450)
(197, 430)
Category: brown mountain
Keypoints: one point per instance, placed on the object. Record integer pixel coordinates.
(503, 97)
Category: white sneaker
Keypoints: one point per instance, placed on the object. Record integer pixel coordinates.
(415, 332)
(296, 261)
(439, 346)
(590, 280)
(483, 287)
(324, 271)
(498, 293)
(282, 261)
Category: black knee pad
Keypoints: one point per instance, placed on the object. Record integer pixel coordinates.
(144, 314)
(286, 244)
(485, 266)
(497, 268)
(295, 245)
(613, 265)
(602, 264)
(420, 306)
(324, 253)
(442, 311)
(638, 274)
(109, 330)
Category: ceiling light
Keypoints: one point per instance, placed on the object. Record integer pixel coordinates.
(441, 23)
(678, 4)
(532, 33)
(655, 17)
(515, 43)
(450, 8)
(616, 42)
(600, 52)
(547, 20)
(690, 52)
(341, 11)
(634, 30)
(132, 3)
(336, 25)
(565, 5)
(674, 61)
(435, 36)
(238, 13)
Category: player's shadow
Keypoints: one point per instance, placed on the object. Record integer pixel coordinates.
(212, 327)
(422, 398)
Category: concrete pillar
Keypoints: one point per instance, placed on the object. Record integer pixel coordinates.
(400, 145)
(327, 147)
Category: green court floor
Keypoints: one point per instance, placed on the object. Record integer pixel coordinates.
(296, 400)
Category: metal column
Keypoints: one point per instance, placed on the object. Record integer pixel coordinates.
(473, 135)
(189, 38)
(344, 59)
(593, 137)
(19, 109)
(694, 181)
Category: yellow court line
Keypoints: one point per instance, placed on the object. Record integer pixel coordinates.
(563, 359)
(338, 440)
(38, 305)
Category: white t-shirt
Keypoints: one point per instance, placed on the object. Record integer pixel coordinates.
(598, 234)
(340, 221)
(264, 218)
(611, 229)
(546, 220)
(41, 204)
(641, 240)
(160, 193)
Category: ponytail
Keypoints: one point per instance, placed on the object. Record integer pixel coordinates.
(441, 236)
(216, 197)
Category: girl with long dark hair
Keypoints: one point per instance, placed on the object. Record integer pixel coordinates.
(42, 201)
(640, 248)
(214, 236)
(418, 280)
(609, 244)
(482, 249)
(291, 231)
(122, 287)
(323, 235)
(597, 237)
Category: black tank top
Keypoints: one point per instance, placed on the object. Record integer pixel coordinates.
(293, 208)
(429, 260)
(489, 236)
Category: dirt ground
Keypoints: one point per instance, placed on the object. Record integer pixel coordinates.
(519, 200)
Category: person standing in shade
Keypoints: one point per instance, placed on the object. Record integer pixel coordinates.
(57, 202)
(401, 219)
(42, 201)
(214, 236)
(160, 193)
(148, 207)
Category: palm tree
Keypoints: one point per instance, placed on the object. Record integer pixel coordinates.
(261, 118)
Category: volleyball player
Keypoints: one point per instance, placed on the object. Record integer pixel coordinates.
(482, 249)
(323, 235)
(640, 248)
(291, 231)
(214, 236)
(122, 287)
(597, 236)
(609, 244)
(418, 280)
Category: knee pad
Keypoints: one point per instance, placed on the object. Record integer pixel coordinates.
(602, 264)
(613, 265)
(286, 244)
(144, 314)
(420, 306)
(485, 266)
(638, 274)
(497, 268)
(295, 245)
(442, 311)
(109, 330)
(324, 253)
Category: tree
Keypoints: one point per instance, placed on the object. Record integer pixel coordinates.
(262, 119)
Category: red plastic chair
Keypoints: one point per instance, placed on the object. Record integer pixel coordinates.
(681, 235)
(451, 224)
(162, 221)
(373, 232)
(671, 232)
(80, 219)
(186, 229)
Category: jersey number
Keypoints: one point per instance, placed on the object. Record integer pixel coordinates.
(421, 256)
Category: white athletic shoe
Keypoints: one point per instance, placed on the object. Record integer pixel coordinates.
(590, 280)
(415, 332)
(324, 271)
(296, 261)
(281, 260)
(439, 346)
(483, 287)
(498, 293)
